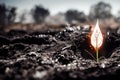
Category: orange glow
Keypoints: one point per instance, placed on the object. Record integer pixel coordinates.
(96, 37)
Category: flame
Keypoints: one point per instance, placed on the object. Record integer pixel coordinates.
(96, 37)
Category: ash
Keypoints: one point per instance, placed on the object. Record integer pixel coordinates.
(58, 55)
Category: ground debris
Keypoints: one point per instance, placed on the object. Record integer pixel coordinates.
(59, 55)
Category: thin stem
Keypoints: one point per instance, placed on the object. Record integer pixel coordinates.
(97, 59)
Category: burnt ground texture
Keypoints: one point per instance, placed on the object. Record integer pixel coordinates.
(58, 55)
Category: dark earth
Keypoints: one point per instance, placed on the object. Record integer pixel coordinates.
(64, 54)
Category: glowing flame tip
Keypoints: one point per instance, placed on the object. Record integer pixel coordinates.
(96, 37)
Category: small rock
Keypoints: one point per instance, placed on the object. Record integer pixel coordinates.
(39, 75)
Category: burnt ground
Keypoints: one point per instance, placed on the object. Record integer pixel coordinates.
(57, 55)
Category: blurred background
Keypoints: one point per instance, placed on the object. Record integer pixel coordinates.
(44, 14)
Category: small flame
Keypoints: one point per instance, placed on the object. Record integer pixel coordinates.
(96, 37)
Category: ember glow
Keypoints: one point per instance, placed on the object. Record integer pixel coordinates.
(96, 39)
